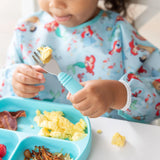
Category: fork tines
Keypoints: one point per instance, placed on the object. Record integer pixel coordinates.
(37, 59)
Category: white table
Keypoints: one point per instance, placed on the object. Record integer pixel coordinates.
(143, 140)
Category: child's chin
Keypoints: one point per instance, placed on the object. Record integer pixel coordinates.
(69, 23)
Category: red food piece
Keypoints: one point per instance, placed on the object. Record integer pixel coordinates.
(18, 114)
(3, 150)
(8, 120)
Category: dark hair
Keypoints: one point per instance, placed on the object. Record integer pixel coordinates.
(119, 6)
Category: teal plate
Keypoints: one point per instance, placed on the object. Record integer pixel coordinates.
(10, 140)
(26, 137)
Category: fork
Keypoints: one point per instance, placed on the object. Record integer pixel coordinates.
(53, 68)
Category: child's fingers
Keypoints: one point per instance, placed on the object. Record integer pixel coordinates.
(22, 78)
(39, 69)
(99, 112)
(28, 89)
(78, 96)
(90, 111)
(25, 95)
(95, 115)
(83, 83)
(29, 71)
(82, 106)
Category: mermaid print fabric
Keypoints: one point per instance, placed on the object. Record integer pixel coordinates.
(106, 47)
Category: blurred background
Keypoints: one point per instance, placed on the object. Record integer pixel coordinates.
(12, 10)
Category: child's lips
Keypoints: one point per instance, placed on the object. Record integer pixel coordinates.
(62, 18)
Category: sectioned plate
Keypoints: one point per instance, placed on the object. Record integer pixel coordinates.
(10, 140)
(26, 137)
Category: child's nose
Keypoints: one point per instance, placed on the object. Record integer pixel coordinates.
(58, 4)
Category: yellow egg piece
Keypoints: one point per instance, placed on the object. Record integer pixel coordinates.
(99, 131)
(118, 140)
(54, 124)
(38, 112)
(78, 136)
(46, 54)
(44, 132)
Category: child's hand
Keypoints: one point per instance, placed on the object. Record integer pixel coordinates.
(25, 78)
(98, 97)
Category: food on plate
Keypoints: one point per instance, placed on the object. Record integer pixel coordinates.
(3, 150)
(27, 154)
(8, 120)
(118, 140)
(46, 54)
(99, 131)
(55, 125)
(40, 152)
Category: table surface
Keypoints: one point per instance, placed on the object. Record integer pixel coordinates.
(142, 140)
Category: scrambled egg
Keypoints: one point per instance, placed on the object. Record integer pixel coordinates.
(46, 54)
(99, 131)
(55, 125)
(118, 140)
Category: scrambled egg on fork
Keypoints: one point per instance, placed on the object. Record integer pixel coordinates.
(46, 54)
(55, 125)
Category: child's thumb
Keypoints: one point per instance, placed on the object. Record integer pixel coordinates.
(39, 69)
(83, 83)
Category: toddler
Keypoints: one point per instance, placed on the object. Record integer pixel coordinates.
(118, 69)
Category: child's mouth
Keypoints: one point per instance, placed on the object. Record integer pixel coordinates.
(62, 18)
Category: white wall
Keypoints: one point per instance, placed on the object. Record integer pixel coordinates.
(151, 16)
(10, 11)
(151, 30)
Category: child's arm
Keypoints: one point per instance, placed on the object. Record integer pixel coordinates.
(98, 97)
(141, 74)
(16, 77)
(25, 79)
(13, 60)
(142, 69)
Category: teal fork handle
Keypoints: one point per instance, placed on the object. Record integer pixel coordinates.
(68, 82)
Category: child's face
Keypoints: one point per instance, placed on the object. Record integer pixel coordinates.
(70, 13)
